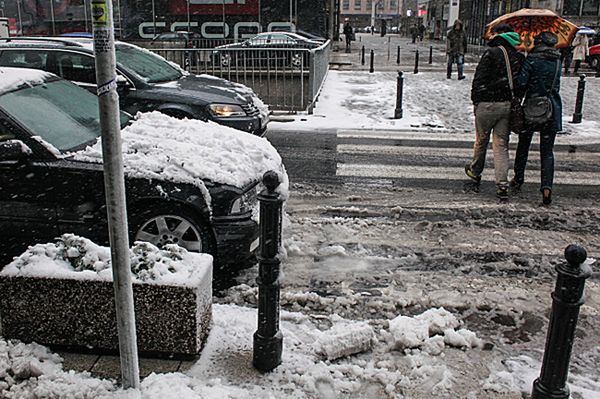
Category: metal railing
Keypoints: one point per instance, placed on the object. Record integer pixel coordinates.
(287, 79)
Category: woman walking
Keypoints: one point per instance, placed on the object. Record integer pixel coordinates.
(540, 77)
(580, 51)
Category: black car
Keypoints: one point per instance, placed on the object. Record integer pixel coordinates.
(147, 82)
(50, 184)
(269, 49)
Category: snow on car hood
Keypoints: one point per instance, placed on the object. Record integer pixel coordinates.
(157, 146)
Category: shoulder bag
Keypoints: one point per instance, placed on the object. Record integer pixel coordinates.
(517, 117)
(538, 109)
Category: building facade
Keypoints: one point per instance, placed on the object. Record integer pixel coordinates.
(361, 13)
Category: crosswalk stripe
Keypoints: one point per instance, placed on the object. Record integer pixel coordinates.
(425, 135)
(455, 153)
(447, 173)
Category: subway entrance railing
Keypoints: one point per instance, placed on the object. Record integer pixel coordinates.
(287, 79)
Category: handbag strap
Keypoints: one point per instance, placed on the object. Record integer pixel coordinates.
(508, 70)
(555, 76)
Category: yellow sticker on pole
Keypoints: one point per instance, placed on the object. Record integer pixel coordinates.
(100, 13)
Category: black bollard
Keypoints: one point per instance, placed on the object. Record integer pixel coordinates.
(430, 55)
(567, 298)
(398, 56)
(579, 101)
(417, 61)
(268, 341)
(362, 57)
(372, 69)
(399, 88)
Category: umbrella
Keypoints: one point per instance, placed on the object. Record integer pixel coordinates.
(529, 22)
(584, 30)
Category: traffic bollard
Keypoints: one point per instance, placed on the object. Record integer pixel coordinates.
(567, 298)
(372, 69)
(399, 89)
(430, 55)
(398, 56)
(417, 61)
(579, 101)
(268, 340)
(362, 56)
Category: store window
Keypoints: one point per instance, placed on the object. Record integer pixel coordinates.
(357, 4)
(346, 5)
(590, 7)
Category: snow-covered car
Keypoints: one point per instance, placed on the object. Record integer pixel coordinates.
(147, 82)
(188, 182)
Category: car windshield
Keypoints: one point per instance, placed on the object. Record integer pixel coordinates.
(65, 116)
(146, 65)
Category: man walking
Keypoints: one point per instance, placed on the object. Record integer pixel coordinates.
(348, 32)
(456, 47)
(491, 95)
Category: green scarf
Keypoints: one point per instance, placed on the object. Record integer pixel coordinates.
(512, 38)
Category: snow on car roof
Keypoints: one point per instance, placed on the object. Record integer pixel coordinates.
(157, 146)
(12, 78)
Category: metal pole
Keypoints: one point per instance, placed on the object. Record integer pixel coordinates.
(362, 56)
(399, 89)
(430, 55)
(268, 340)
(188, 16)
(398, 56)
(291, 5)
(417, 61)
(114, 182)
(579, 101)
(20, 31)
(52, 17)
(389, 47)
(153, 19)
(567, 298)
(85, 15)
(371, 68)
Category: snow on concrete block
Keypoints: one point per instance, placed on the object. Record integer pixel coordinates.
(461, 339)
(62, 294)
(439, 320)
(408, 332)
(345, 339)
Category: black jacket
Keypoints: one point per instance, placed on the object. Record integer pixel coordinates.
(490, 83)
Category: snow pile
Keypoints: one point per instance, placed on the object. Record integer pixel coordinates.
(30, 371)
(77, 258)
(344, 339)
(415, 332)
(156, 146)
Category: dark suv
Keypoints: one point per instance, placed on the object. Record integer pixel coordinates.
(181, 184)
(146, 81)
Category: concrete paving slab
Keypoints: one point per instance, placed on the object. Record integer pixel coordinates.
(78, 361)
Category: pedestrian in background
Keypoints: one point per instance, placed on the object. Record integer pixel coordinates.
(540, 77)
(414, 32)
(348, 32)
(491, 94)
(580, 50)
(566, 56)
(456, 47)
(421, 32)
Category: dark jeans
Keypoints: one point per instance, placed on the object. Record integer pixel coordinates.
(547, 138)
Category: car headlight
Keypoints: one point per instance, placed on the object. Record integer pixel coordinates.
(246, 202)
(226, 110)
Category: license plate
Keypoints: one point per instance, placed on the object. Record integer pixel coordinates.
(254, 245)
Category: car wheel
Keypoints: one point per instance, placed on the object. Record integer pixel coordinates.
(594, 62)
(160, 225)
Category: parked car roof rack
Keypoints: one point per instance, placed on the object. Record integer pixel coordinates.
(65, 42)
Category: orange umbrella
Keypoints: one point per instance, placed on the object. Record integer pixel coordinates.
(528, 22)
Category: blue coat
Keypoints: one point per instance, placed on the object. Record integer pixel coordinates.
(535, 79)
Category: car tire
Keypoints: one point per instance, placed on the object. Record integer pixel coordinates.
(162, 224)
(595, 62)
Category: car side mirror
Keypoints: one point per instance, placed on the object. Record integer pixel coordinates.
(122, 83)
(14, 150)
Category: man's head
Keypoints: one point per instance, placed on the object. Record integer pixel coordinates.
(457, 25)
(502, 28)
(545, 38)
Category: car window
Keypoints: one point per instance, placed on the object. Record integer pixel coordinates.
(281, 38)
(259, 40)
(76, 67)
(65, 116)
(24, 59)
(146, 65)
